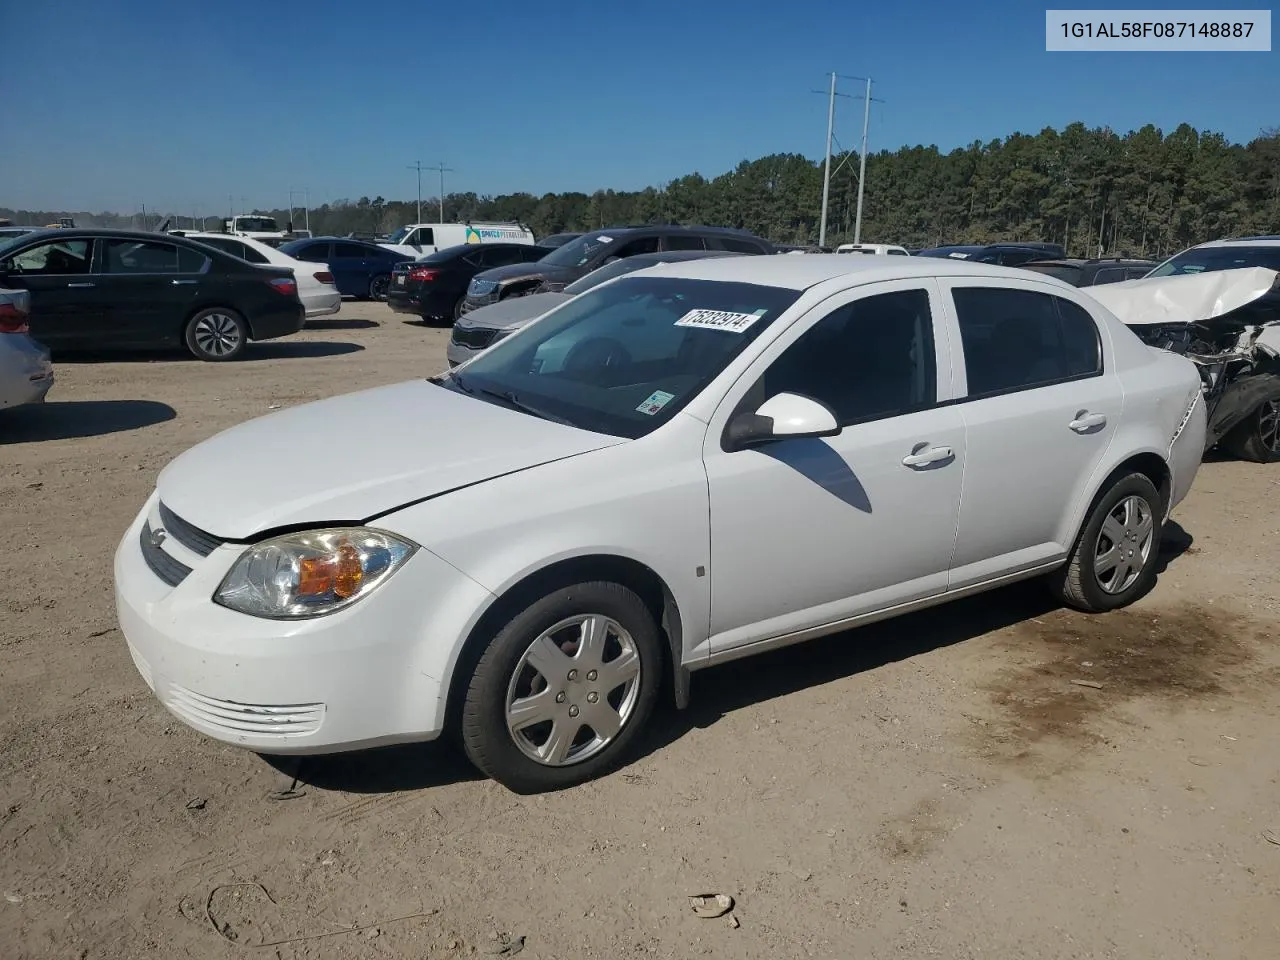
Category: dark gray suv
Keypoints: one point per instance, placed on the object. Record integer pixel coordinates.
(579, 257)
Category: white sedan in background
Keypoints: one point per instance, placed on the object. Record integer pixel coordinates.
(316, 288)
(683, 466)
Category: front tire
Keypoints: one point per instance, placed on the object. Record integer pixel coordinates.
(216, 335)
(1257, 437)
(1113, 562)
(563, 689)
(378, 287)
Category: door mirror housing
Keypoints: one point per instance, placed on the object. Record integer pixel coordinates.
(786, 416)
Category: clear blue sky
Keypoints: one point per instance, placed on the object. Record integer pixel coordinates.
(177, 104)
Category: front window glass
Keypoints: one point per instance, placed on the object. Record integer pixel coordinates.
(55, 258)
(610, 270)
(398, 236)
(626, 357)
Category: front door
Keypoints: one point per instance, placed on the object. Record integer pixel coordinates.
(1040, 409)
(150, 288)
(350, 265)
(66, 303)
(808, 532)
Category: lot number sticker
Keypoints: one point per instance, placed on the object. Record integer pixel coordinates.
(719, 320)
(656, 401)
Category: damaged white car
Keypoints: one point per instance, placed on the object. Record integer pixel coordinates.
(1227, 323)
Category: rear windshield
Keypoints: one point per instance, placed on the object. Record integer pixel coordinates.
(1209, 259)
(1063, 271)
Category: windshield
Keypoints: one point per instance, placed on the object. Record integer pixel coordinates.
(257, 224)
(579, 252)
(1209, 259)
(8, 240)
(624, 358)
(608, 272)
(399, 235)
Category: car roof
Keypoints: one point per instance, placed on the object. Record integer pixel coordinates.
(800, 273)
(677, 256)
(1084, 262)
(98, 232)
(1261, 241)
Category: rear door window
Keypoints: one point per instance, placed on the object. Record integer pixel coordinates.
(640, 245)
(734, 245)
(679, 241)
(349, 251)
(150, 257)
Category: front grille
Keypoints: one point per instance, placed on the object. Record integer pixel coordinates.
(171, 571)
(193, 538)
(260, 720)
(477, 338)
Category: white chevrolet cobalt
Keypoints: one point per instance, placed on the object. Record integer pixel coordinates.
(688, 464)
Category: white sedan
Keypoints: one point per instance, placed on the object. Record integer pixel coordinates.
(689, 464)
(316, 288)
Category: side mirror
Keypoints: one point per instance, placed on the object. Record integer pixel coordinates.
(786, 416)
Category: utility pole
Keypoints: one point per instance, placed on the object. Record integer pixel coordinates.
(442, 170)
(862, 164)
(417, 165)
(306, 197)
(231, 207)
(826, 168)
(306, 211)
(862, 160)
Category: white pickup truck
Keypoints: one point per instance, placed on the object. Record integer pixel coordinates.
(255, 227)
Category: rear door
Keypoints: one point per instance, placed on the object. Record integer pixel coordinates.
(350, 265)
(66, 303)
(1040, 406)
(150, 288)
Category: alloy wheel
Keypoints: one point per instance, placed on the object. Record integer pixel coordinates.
(217, 334)
(1269, 425)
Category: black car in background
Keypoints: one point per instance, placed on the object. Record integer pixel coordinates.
(360, 269)
(579, 257)
(434, 286)
(1015, 254)
(1090, 273)
(122, 289)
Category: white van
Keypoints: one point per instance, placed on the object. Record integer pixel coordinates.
(417, 239)
(881, 249)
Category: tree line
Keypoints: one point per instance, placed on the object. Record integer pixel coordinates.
(1093, 190)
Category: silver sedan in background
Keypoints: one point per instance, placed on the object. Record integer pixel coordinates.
(26, 371)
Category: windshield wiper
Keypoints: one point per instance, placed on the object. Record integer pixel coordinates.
(509, 397)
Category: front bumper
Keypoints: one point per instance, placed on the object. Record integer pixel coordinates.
(26, 371)
(457, 353)
(357, 678)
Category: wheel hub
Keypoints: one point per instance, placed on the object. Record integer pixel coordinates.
(1124, 544)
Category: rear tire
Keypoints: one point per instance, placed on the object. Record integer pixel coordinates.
(1257, 437)
(378, 287)
(545, 708)
(216, 335)
(1113, 562)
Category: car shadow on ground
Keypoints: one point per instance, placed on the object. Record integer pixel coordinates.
(324, 323)
(297, 350)
(723, 690)
(75, 419)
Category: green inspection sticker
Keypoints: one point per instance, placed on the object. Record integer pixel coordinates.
(655, 402)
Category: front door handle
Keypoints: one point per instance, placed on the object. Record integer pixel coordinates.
(78, 286)
(182, 283)
(923, 456)
(1085, 422)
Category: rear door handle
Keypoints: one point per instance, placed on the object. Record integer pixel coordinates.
(1086, 421)
(928, 455)
(182, 283)
(78, 286)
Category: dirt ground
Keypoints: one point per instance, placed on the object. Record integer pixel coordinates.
(941, 786)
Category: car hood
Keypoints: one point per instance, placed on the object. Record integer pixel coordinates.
(1211, 298)
(512, 312)
(515, 271)
(352, 458)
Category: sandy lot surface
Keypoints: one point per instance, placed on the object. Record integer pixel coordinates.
(937, 786)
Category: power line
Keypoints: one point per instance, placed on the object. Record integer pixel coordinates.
(417, 165)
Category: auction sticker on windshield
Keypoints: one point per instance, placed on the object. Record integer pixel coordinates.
(655, 402)
(720, 320)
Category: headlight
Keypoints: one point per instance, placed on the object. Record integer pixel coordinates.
(312, 573)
